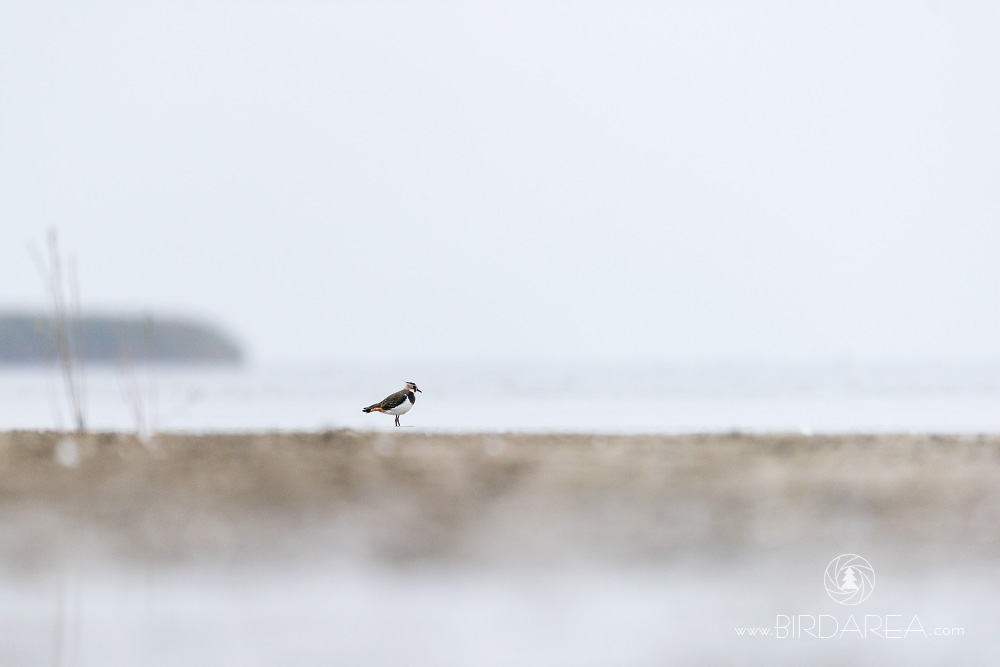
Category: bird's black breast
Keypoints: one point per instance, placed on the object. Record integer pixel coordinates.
(411, 397)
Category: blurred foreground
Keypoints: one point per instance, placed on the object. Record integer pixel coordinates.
(409, 548)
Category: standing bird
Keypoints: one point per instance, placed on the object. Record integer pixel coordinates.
(396, 404)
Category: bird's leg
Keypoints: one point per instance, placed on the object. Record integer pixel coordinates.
(397, 420)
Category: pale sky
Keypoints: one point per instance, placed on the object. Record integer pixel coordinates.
(609, 181)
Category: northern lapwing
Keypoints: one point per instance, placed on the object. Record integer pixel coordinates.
(396, 404)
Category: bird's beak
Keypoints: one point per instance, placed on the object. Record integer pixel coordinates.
(418, 390)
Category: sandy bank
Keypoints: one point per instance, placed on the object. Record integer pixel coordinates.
(400, 497)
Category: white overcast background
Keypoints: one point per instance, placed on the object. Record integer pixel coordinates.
(597, 181)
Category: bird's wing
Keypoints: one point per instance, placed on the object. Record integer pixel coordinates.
(392, 401)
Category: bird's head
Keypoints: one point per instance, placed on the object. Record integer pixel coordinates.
(412, 386)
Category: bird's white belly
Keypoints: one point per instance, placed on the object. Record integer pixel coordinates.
(401, 409)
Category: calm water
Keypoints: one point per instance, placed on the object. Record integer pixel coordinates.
(518, 398)
(355, 615)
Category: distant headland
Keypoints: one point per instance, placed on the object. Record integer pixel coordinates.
(31, 338)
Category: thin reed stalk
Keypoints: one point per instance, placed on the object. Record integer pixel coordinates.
(64, 298)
